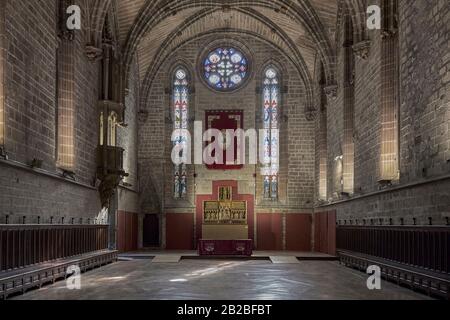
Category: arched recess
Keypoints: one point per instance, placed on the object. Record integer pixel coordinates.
(302, 12)
(309, 102)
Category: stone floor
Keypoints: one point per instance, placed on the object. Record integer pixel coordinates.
(222, 280)
(256, 254)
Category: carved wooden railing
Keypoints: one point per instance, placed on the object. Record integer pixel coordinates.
(25, 245)
(426, 248)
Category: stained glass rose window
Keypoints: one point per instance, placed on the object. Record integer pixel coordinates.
(225, 69)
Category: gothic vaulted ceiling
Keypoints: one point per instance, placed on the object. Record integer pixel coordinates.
(151, 29)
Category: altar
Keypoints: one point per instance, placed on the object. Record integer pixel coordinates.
(225, 221)
(225, 247)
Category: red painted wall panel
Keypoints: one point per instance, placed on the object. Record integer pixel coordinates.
(127, 233)
(180, 231)
(269, 231)
(332, 232)
(325, 232)
(298, 232)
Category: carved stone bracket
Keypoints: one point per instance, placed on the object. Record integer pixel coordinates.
(331, 92)
(107, 188)
(362, 49)
(109, 171)
(388, 33)
(310, 115)
(142, 116)
(66, 35)
(93, 53)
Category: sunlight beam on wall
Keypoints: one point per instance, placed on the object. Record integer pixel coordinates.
(66, 107)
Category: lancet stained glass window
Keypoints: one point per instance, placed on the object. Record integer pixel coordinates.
(271, 97)
(180, 122)
(225, 69)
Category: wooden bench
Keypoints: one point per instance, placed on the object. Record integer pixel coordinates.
(22, 279)
(430, 282)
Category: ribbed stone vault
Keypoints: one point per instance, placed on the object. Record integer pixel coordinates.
(304, 30)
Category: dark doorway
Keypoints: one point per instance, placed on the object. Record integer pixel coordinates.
(151, 230)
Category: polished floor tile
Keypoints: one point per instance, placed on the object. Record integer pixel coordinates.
(223, 280)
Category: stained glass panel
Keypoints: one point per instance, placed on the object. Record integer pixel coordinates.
(225, 69)
(180, 122)
(270, 168)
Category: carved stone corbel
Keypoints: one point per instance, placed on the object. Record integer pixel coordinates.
(331, 92)
(93, 53)
(143, 116)
(362, 49)
(66, 35)
(310, 112)
(310, 115)
(388, 33)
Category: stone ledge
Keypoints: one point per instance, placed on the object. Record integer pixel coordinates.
(396, 188)
(41, 172)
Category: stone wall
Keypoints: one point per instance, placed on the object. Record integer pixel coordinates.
(296, 185)
(424, 125)
(30, 71)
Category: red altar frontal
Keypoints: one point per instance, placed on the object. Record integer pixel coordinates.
(225, 247)
(225, 221)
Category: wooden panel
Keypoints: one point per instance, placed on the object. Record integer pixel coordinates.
(298, 232)
(179, 231)
(269, 231)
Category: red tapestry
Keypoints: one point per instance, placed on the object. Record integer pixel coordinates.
(223, 120)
